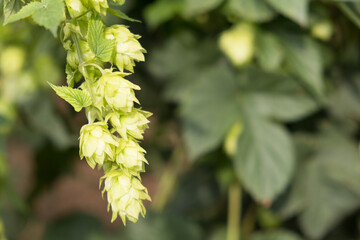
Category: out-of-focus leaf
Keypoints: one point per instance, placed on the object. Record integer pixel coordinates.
(269, 51)
(279, 96)
(352, 10)
(201, 185)
(327, 185)
(75, 227)
(275, 235)
(162, 11)
(252, 10)
(265, 159)
(344, 106)
(163, 227)
(208, 111)
(194, 7)
(264, 156)
(296, 10)
(45, 121)
(304, 59)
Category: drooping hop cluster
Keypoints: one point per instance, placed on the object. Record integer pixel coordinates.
(111, 138)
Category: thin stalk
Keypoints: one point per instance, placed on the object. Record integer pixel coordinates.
(234, 212)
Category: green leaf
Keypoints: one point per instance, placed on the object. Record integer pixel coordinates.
(279, 97)
(264, 160)
(25, 12)
(163, 227)
(10, 7)
(76, 97)
(327, 183)
(47, 13)
(121, 15)
(195, 7)
(352, 10)
(161, 11)
(304, 59)
(296, 10)
(275, 235)
(207, 110)
(269, 51)
(101, 47)
(252, 10)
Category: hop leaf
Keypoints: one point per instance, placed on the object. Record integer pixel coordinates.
(101, 47)
(47, 13)
(76, 97)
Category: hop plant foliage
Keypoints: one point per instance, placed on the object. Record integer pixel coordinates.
(110, 140)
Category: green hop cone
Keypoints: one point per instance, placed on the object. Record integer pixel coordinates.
(100, 6)
(132, 124)
(124, 194)
(97, 144)
(75, 8)
(117, 92)
(127, 50)
(130, 156)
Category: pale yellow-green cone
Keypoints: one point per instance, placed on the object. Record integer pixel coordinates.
(130, 156)
(12, 60)
(238, 43)
(98, 5)
(132, 124)
(97, 144)
(128, 49)
(125, 194)
(75, 7)
(117, 91)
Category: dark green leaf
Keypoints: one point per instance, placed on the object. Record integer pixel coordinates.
(252, 10)
(264, 160)
(121, 15)
(194, 7)
(296, 10)
(161, 11)
(327, 184)
(304, 59)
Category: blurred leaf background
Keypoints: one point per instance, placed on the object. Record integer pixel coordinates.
(254, 136)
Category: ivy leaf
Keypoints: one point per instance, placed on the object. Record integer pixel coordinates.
(101, 47)
(76, 97)
(47, 13)
(296, 10)
(10, 7)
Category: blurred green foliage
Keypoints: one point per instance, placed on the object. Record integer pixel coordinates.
(275, 106)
